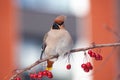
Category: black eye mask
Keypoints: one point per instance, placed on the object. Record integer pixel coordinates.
(55, 26)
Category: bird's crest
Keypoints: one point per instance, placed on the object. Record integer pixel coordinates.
(60, 19)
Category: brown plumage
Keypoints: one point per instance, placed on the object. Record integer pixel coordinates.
(60, 19)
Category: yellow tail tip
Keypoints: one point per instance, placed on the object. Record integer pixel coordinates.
(48, 68)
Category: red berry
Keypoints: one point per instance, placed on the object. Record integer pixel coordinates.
(18, 78)
(35, 75)
(86, 69)
(31, 75)
(98, 57)
(89, 65)
(41, 73)
(93, 54)
(44, 73)
(68, 66)
(49, 75)
(40, 76)
(84, 66)
(90, 52)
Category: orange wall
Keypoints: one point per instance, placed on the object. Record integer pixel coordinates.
(103, 12)
(7, 27)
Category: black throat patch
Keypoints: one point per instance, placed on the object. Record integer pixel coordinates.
(55, 26)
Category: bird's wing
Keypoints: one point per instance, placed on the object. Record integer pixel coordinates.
(43, 45)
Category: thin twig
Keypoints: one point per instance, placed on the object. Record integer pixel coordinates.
(118, 37)
(112, 31)
(71, 51)
(95, 46)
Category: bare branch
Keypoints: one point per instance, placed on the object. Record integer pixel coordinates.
(71, 51)
(31, 66)
(95, 46)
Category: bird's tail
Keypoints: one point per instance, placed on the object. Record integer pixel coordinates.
(49, 65)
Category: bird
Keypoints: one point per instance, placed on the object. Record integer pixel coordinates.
(57, 41)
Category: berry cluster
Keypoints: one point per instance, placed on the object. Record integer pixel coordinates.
(68, 66)
(41, 74)
(95, 55)
(87, 66)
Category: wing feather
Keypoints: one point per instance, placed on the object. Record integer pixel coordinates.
(43, 45)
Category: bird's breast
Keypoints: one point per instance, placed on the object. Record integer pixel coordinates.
(58, 42)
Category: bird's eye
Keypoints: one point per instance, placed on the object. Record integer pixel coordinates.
(55, 26)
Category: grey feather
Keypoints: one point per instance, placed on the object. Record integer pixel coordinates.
(43, 46)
